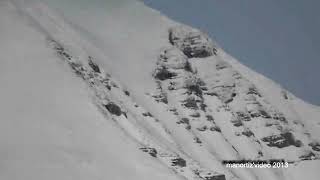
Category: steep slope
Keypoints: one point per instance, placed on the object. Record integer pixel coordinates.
(50, 129)
(132, 80)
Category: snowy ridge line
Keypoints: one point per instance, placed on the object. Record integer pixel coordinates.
(50, 25)
(204, 110)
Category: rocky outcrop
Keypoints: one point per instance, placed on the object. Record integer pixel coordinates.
(179, 162)
(162, 73)
(194, 85)
(93, 65)
(255, 109)
(282, 140)
(191, 42)
(243, 116)
(236, 122)
(215, 177)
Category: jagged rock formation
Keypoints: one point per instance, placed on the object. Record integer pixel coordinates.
(238, 96)
(182, 88)
(180, 120)
(191, 42)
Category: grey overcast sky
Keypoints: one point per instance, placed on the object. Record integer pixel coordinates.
(278, 38)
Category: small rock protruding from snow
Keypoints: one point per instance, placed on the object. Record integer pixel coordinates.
(222, 65)
(152, 151)
(93, 65)
(113, 109)
(179, 162)
(243, 116)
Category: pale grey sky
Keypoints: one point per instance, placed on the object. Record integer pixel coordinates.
(278, 38)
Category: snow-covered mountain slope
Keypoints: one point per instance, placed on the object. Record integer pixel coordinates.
(115, 90)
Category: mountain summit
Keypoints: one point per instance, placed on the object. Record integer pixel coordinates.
(115, 90)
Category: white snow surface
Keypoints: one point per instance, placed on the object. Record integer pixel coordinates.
(56, 121)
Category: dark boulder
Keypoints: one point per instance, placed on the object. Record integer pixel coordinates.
(197, 140)
(248, 133)
(113, 109)
(210, 118)
(127, 93)
(178, 162)
(215, 128)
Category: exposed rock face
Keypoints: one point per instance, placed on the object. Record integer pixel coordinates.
(189, 94)
(173, 58)
(179, 79)
(194, 85)
(255, 109)
(163, 73)
(248, 133)
(282, 140)
(191, 103)
(191, 42)
(216, 177)
(243, 116)
(179, 162)
(93, 65)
